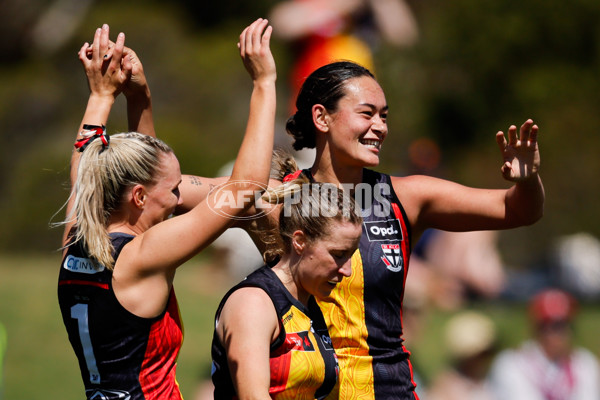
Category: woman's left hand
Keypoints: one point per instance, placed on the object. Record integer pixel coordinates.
(521, 154)
(106, 74)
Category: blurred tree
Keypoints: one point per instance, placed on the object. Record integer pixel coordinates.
(478, 67)
(208, 14)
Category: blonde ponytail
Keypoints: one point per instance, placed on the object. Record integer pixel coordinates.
(103, 176)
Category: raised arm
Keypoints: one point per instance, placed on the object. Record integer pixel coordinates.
(436, 203)
(170, 243)
(136, 91)
(139, 100)
(106, 78)
(256, 55)
(261, 67)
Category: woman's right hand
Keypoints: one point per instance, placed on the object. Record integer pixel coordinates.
(255, 51)
(106, 75)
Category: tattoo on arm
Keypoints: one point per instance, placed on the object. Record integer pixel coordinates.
(194, 180)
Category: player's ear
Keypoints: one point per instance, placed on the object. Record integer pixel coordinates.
(298, 241)
(138, 196)
(321, 118)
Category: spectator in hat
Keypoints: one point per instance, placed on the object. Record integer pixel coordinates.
(470, 338)
(548, 366)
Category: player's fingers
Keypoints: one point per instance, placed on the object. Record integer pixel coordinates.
(96, 45)
(115, 61)
(83, 54)
(104, 40)
(512, 135)
(533, 135)
(257, 34)
(501, 140)
(506, 170)
(251, 36)
(525, 130)
(266, 38)
(242, 42)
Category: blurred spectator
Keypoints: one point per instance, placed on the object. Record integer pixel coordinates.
(236, 251)
(322, 31)
(458, 266)
(547, 367)
(576, 264)
(470, 338)
(570, 263)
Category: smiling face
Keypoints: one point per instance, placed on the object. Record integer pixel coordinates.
(163, 196)
(326, 261)
(356, 129)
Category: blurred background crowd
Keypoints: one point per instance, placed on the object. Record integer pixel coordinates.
(454, 74)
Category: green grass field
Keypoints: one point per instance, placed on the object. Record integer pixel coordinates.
(39, 363)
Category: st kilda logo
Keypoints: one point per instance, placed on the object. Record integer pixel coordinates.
(392, 257)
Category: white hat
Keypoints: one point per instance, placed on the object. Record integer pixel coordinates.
(469, 333)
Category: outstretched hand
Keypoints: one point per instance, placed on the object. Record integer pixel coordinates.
(255, 51)
(521, 154)
(107, 73)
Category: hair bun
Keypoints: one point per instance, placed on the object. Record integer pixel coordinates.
(298, 127)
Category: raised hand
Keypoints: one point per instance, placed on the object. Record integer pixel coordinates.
(255, 51)
(137, 83)
(136, 89)
(520, 154)
(106, 73)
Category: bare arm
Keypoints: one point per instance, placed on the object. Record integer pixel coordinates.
(105, 79)
(253, 162)
(195, 189)
(168, 244)
(247, 326)
(136, 91)
(436, 203)
(139, 100)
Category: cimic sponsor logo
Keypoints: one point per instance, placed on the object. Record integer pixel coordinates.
(368, 199)
(388, 230)
(81, 265)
